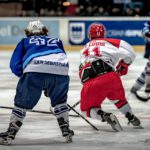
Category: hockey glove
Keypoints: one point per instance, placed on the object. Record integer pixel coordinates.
(122, 68)
(84, 72)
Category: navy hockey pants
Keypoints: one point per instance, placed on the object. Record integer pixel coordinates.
(31, 85)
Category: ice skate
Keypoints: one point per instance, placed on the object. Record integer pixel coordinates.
(133, 120)
(66, 132)
(113, 121)
(7, 137)
(143, 96)
(133, 90)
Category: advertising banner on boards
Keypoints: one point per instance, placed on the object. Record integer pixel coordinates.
(129, 31)
(11, 31)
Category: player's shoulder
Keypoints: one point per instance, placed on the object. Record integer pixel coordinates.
(111, 39)
(146, 27)
(123, 42)
(146, 24)
(22, 40)
(114, 41)
(53, 38)
(117, 42)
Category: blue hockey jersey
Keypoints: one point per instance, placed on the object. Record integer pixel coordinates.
(37, 47)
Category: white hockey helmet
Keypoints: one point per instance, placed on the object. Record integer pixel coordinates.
(35, 26)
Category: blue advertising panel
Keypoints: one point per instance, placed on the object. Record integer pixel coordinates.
(129, 31)
(11, 31)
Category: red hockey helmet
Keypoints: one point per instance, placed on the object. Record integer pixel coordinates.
(96, 30)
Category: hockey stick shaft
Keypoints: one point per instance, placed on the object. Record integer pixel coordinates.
(73, 106)
(83, 117)
(34, 111)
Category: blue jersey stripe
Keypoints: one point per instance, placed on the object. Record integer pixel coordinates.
(40, 54)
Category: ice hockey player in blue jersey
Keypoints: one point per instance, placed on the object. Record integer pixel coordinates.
(41, 64)
(144, 78)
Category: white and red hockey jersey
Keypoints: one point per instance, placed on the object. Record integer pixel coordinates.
(108, 85)
(108, 50)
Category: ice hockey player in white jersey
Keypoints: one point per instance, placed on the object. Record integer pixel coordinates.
(103, 62)
(41, 64)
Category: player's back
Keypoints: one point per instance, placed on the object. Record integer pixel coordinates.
(45, 55)
(40, 43)
(107, 49)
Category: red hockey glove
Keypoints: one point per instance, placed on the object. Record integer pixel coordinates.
(122, 68)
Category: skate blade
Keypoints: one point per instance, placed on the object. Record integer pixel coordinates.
(139, 127)
(115, 123)
(68, 139)
(7, 141)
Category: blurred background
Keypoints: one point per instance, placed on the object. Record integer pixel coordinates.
(74, 8)
(70, 19)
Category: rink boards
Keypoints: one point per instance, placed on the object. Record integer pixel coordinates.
(69, 48)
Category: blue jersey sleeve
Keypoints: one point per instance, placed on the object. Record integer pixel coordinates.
(16, 59)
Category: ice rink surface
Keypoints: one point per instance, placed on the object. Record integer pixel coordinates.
(41, 132)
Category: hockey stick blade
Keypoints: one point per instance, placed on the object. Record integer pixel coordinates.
(143, 99)
(94, 127)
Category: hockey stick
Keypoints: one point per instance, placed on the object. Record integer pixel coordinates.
(35, 111)
(45, 112)
(71, 108)
(143, 99)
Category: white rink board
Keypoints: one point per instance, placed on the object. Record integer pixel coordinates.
(40, 131)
